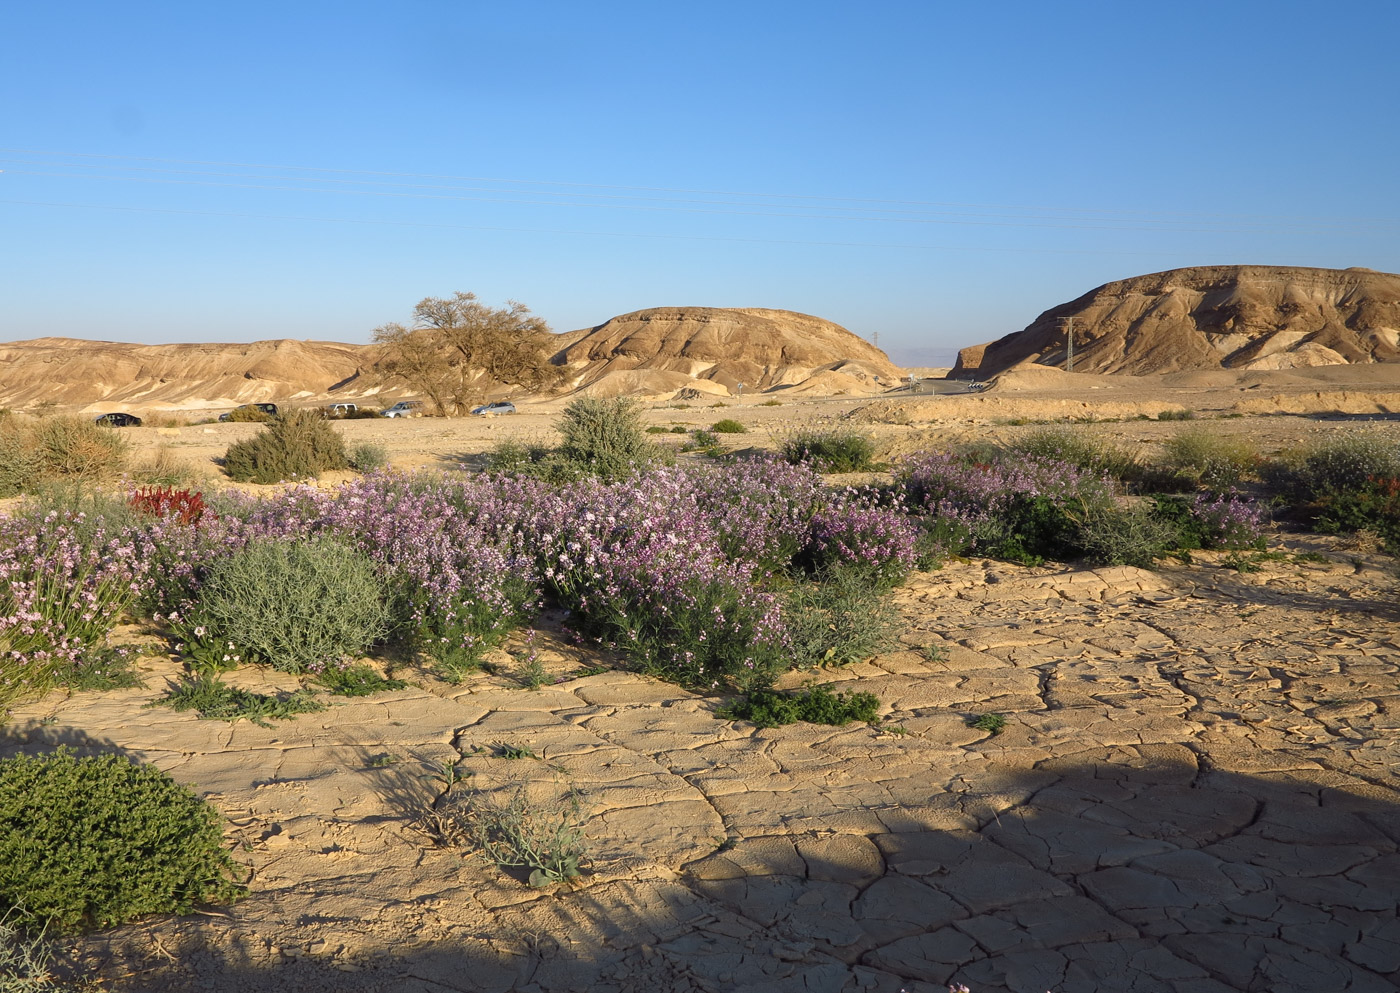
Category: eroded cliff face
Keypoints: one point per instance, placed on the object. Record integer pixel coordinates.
(726, 346)
(1212, 317)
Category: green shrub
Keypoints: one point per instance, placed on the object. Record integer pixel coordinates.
(680, 429)
(604, 437)
(815, 705)
(358, 680)
(703, 441)
(1372, 506)
(296, 606)
(1345, 461)
(368, 456)
(1177, 415)
(1134, 536)
(299, 446)
(728, 426)
(58, 447)
(830, 450)
(1201, 456)
(100, 841)
(251, 414)
(838, 618)
(656, 429)
(1081, 449)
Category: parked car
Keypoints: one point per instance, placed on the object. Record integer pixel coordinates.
(340, 409)
(117, 420)
(270, 409)
(405, 408)
(499, 407)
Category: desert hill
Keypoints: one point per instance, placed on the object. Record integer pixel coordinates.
(649, 352)
(714, 349)
(71, 372)
(1211, 317)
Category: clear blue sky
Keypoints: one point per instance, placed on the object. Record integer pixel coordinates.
(937, 173)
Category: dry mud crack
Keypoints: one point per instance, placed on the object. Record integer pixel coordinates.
(1194, 793)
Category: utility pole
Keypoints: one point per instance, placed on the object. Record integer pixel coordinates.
(875, 338)
(1069, 346)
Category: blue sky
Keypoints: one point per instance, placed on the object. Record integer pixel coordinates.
(934, 173)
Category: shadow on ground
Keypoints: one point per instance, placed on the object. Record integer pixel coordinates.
(1143, 869)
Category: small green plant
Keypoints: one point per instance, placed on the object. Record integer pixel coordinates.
(26, 955)
(212, 700)
(815, 705)
(449, 775)
(296, 606)
(100, 840)
(657, 429)
(357, 680)
(383, 760)
(703, 441)
(504, 750)
(530, 673)
(680, 429)
(771, 403)
(993, 724)
(519, 831)
(830, 450)
(728, 426)
(368, 456)
(301, 445)
(1177, 415)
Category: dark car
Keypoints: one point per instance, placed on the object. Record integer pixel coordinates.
(116, 420)
(270, 409)
(499, 407)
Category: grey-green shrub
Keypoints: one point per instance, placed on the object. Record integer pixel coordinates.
(57, 447)
(296, 606)
(838, 618)
(1079, 448)
(100, 841)
(605, 436)
(1201, 455)
(728, 426)
(368, 456)
(299, 446)
(829, 449)
(1133, 536)
(1342, 462)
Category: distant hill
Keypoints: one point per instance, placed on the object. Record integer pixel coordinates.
(649, 352)
(717, 348)
(1211, 317)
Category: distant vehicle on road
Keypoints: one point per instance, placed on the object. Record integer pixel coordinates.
(340, 409)
(117, 420)
(405, 408)
(270, 409)
(499, 407)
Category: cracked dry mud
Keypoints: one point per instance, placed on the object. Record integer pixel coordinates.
(1194, 793)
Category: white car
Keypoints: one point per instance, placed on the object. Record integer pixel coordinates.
(405, 408)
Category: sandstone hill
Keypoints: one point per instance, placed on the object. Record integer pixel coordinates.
(649, 352)
(1211, 317)
(73, 373)
(714, 349)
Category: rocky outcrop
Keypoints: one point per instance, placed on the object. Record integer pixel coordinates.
(761, 349)
(1211, 317)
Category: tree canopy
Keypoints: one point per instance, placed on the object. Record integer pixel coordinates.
(457, 349)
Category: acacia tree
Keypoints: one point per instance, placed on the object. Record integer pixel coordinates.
(458, 348)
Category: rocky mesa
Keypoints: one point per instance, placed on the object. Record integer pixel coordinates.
(1244, 317)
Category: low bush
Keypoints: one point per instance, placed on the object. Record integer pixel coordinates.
(251, 414)
(1372, 506)
(1079, 448)
(728, 426)
(1344, 462)
(815, 705)
(830, 450)
(1177, 415)
(162, 468)
(100, 841)
(866, 531)
(1133, 536)
(213, 700)
(516, 830)
(59, 447)
(358, 680)
(1201, 456)
(368, 456)
(299, 446)
(838, 618)
(298, 606)
(605, 437)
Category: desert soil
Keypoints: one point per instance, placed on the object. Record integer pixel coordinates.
(1194, 792)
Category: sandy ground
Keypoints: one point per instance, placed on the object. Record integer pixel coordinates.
(1195, 791)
